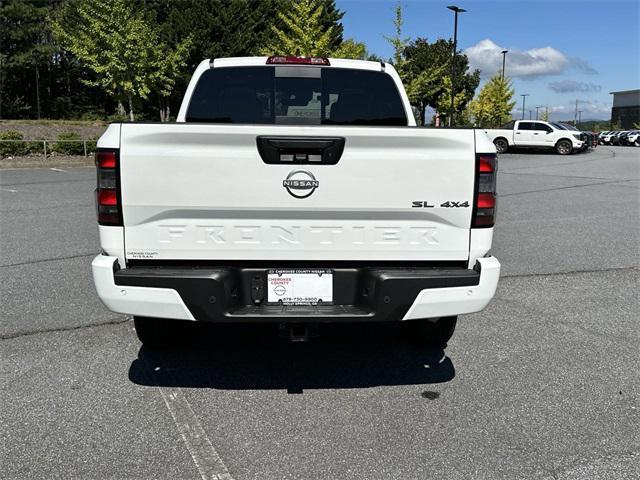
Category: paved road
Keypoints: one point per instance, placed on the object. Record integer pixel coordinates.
(544, 383)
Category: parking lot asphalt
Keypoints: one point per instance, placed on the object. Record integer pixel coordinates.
(544, 383)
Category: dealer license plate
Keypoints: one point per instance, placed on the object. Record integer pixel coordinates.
(300, 287)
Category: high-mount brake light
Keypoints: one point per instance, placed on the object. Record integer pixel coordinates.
(484, 210)
(108, 202)
(283, 60)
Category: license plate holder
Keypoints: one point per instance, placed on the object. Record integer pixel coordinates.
(300, 286)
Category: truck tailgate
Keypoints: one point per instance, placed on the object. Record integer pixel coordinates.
(203, 192)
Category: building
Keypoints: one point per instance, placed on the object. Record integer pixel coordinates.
(626, 108)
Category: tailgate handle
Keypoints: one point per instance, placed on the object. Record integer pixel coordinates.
(300, 150)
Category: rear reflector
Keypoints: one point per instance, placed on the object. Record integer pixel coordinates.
(108, 204)
(280, 60)
(107, 197)
(486, 200)
(484, 211)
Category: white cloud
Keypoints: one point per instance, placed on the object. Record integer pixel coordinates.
(568, 86)
(486, 56)
(591, 110)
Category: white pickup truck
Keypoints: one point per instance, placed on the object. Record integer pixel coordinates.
(536, 134)
(295, 191)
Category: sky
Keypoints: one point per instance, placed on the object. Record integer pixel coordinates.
(559, 51)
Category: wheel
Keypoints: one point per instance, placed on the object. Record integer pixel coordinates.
(564, 147)
(501, 145)
(433, 332)
(158, 333)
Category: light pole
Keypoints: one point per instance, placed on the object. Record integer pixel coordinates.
(579, 116)
(523, 95)
(456, 11)
(538, 108)
(504, 59)
(530, 114)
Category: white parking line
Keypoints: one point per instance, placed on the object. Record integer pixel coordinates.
(58, 170)
(204, 455)
(8, 190)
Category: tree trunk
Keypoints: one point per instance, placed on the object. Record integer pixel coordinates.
(163, 112)
(1, 81)
(131, 117)
(38, 90)
(423, 114)
(164, 109)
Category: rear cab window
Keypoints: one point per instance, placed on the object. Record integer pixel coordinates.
(296, 95)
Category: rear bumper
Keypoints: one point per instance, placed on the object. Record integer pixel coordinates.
(224, 294)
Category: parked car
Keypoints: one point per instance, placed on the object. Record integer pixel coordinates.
(601, 136)
(622, 138)
(584, 136)
(616, 137)
(607, 139)
(628, 138)
(536, 134)
(634, 138)
(294, 191)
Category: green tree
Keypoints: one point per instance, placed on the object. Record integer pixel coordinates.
(544, 115)
(303, 33)
(168, 70)
(217, 28)
(397, 42)
(310, 28)
(426, 71)
(461, 101)
(494, 103)
(27, 58)
(351, 49)
(116, 41)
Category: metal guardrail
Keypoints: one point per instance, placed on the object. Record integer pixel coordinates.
(84, 142)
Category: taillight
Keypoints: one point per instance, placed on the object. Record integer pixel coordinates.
(108, 203)
(282, 59)
(484, 211)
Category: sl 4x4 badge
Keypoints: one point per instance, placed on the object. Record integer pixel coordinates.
(447, 204)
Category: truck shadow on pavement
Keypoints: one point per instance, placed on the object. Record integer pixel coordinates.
(245, 357)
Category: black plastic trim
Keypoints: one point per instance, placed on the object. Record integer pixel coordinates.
(224, 294)
(329, 148)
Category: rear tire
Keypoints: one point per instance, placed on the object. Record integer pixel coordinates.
(501, 145)
(433, 332)
(564, 147)
(158, 333)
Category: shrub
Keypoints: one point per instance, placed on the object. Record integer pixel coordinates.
(12, 148)
(92, 145)
(36, 146)
(67, 144)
